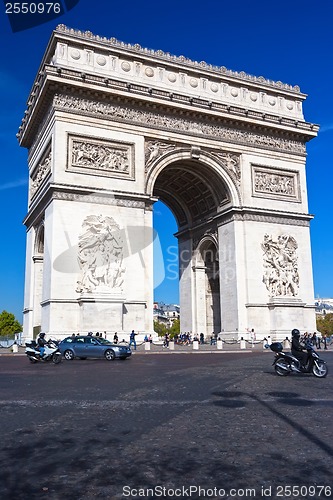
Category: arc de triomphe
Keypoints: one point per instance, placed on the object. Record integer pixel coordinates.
(112, 127)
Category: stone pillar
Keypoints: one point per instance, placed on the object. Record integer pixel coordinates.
(186, 280)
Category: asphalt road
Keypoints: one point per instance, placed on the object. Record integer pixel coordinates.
(164, 426)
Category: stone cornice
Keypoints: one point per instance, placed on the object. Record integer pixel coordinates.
(166, 57)
(93, 63)
(53, 191)
(266, 216)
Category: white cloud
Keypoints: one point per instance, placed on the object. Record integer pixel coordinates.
(326, 128)
(13, 184)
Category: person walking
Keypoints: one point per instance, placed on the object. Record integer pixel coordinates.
(132, 339)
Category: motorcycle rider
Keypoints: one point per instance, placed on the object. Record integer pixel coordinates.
(41, 344)
(297, 349)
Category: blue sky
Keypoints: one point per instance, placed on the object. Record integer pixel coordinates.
(290, 41)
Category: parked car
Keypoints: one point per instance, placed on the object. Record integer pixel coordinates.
(86, 346)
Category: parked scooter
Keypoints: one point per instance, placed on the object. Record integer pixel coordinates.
(51, 352)
(285, 363)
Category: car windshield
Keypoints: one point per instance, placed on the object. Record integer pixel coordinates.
(103, 341)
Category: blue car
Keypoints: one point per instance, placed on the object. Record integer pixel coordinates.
(86, 346)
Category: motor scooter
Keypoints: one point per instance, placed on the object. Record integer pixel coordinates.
(285, 363)
(51, 352)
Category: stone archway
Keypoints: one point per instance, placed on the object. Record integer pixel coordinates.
(207, 280)
(110, 128)
(195, 190)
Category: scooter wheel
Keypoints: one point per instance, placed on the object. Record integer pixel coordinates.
(56, 358)
(283, 369)
(320, 369)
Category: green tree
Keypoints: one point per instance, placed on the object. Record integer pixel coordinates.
(175, 328)
(325, 324)
(160, 329)
(8, 324)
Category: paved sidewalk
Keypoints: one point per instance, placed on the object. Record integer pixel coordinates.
(157, 348)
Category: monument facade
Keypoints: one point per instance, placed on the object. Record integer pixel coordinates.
(113, 127)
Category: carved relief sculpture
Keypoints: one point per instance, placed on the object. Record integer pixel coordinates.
(100, 255)
(275, 184)
(231, 162)
(101, 158)
(281, 268)
(42, 170)
(167, 122)
(155, 149)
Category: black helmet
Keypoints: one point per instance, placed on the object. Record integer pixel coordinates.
(295, 333)
(42, 335)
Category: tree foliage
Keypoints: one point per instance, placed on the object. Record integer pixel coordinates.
(325, 324)
(175, 328)
(8, 324)
(162, 329)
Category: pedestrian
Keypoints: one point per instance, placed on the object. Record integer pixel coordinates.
(166, 340)
(202, 338)
(115, 338)
(132, 339)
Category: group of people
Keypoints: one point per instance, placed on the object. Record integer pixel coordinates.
(314, 339)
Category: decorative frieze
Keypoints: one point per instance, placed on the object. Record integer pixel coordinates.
(102, 199)
(42, 170)
(169, 122)
(100, 256)
(273, 183)
(268, 219)
(101, 158)
(281, 275)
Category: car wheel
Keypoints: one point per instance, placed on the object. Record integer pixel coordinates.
(109, 355)
(69, 355)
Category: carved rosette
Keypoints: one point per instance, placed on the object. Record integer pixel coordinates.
(40, 173)
(281, 275)
(100, 256)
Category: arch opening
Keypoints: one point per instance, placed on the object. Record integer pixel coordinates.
(195, 194)
(192, 191)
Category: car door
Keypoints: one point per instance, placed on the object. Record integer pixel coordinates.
(79, 347)
(92, 348)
